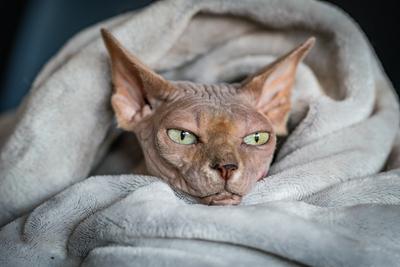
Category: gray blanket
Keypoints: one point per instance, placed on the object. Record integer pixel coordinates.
(331, 198)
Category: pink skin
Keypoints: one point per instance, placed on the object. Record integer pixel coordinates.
(220, 168)
(220, 131)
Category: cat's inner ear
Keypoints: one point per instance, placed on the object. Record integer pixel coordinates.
(271, 88)
(137, 89)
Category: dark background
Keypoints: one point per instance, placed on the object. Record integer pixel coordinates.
(33, 30)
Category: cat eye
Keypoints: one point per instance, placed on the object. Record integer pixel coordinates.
(182, 137)
(256, 139)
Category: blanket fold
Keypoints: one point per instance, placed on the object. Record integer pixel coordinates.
(327, 200)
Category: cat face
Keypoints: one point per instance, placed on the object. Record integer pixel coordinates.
(214, 146)
(211, 141)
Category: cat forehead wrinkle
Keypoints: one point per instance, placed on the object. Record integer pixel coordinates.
(211, 92)
(196, 105)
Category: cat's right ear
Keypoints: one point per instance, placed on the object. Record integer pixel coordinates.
(270, 89)
(137, 89)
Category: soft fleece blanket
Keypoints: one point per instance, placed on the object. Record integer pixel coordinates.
(331, 198)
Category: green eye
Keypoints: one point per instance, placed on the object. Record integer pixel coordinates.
(182, 137)
(256, 139)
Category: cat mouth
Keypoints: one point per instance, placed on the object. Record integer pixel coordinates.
(222, 198)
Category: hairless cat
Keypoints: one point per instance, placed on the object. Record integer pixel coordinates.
(212, 141)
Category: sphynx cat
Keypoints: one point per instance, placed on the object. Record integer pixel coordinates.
(212, 141)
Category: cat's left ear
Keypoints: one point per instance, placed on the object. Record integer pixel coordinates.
(138, 90)
(271, 88)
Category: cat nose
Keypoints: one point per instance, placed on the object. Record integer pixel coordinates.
(225, 170)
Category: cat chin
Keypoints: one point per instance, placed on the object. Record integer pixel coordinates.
(222, 198)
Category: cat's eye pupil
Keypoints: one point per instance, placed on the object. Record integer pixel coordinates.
(183, 134)
(256, 137)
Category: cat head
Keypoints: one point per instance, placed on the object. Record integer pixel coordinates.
(211, 141)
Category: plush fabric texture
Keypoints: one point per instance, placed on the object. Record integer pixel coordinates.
(332, 195)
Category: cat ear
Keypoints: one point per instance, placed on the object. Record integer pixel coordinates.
(271, 88)
(137, 89)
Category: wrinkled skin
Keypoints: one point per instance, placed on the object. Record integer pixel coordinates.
(219, 115)
(220, 129)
